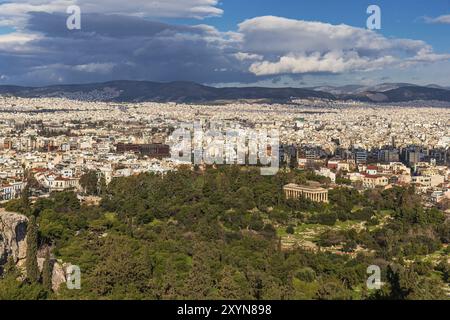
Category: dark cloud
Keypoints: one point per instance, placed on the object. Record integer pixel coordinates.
(112, 47)
(54, 25)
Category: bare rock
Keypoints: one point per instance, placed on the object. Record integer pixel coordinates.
(58, 275)
(13, 231)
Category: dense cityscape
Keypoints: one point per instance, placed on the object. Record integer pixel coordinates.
(58, 140)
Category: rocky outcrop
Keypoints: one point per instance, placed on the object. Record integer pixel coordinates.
(59, 271)
(13, 230)
(60, 274)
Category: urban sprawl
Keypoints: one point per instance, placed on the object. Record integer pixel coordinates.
(55, 141)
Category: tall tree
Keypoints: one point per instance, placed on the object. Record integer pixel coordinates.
(25, 200)
(32, 248)
(102, 186)
(89, 182)
(47, 272)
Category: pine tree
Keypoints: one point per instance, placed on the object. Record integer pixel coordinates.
(32, 248)
(47, 273)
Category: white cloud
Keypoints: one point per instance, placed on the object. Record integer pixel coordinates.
(17, 42)
(295, 47)
(95, 67)
(242, 56)
(16, 38)
(333, 62)
(444, 19)
(154, 8)
(15, 14)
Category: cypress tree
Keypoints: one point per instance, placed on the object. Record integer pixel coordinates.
(102, 186)
(25, 199)
(47, 273)
(32, 248)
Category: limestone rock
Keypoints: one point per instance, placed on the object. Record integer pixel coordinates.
(13, 230)
(58, 276)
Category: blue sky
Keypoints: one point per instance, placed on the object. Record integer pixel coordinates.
(226, 42)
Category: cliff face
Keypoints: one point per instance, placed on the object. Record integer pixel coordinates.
(13, 230)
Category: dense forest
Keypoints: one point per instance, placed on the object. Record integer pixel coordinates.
(219, 234)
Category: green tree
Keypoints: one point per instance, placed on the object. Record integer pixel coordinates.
(47, 272)
(199, 284)
(89, 182)
(25, 200)
(10, 268)
(32, 248)
(233, 285)
(102, 186)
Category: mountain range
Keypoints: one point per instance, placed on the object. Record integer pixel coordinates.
(190, 92)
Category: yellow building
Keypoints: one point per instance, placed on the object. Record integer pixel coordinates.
(295, 191)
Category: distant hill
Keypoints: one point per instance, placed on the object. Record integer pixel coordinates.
(190, 92)
(355, 89)
(135, 91)
(403, 94)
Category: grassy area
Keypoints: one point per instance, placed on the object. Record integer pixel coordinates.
(308, 234)
(437, 256)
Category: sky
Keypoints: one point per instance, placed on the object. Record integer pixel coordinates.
(276, 43)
